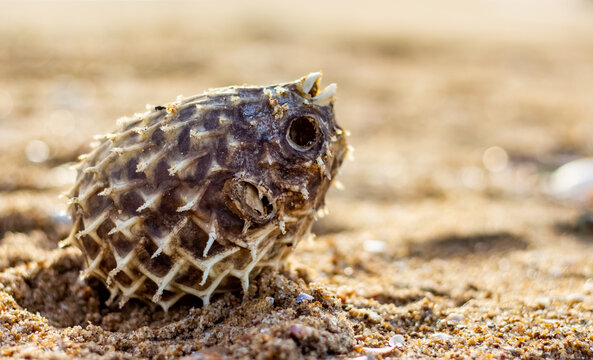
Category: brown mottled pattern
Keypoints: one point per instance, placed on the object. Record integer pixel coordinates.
(194, 197)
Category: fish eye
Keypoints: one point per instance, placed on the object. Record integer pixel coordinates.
(303, 132)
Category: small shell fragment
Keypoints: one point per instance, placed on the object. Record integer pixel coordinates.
(573, 181)
(396, 341)
(303, 297)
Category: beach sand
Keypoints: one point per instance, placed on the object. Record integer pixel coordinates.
(443, 241)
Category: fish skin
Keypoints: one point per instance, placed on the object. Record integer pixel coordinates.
(197, 196)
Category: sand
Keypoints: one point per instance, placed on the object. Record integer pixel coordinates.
(444, 242)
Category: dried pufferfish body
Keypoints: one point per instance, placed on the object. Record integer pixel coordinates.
(195, 197)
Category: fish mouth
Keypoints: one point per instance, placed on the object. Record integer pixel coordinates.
(249, 200)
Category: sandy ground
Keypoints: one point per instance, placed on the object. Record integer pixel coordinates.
(444, 239)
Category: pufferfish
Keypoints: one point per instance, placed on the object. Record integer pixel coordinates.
(197, 196)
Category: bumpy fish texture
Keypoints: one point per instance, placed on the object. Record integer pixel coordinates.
(196, 196)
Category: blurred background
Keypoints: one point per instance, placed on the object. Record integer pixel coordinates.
(459, 110)
(454, 220)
